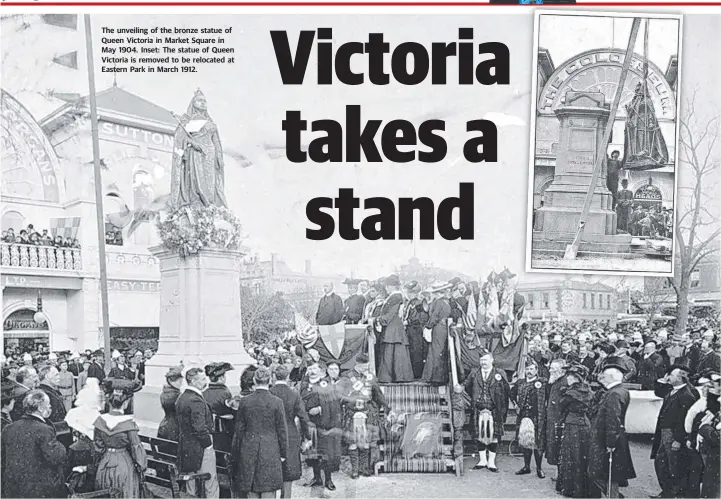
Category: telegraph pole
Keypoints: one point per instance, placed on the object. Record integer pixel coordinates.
(100, 218)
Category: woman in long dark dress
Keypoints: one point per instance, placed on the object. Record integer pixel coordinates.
(436, 368)
(121, 457)
(573, 456)
(168, 427)
(414, 320)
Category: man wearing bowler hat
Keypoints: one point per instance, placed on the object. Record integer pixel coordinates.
(608, 444)
(669, 450)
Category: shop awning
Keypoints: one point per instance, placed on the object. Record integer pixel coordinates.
(26, 333)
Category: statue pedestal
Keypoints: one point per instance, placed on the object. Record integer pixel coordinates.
(200, 322)
(583, 121)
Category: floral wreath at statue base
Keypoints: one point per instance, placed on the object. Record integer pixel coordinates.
(189, 229)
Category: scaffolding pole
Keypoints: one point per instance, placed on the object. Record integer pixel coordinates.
(572, 249)
(98, 195)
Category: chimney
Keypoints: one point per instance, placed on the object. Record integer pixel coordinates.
(272, 263)
(308, 270)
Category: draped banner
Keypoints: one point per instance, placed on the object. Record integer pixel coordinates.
(339, 343)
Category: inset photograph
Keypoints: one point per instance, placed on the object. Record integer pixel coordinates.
(604, 135)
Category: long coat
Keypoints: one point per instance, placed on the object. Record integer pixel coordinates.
(260, 441)
(395, 360)
(522, 393)
(673, 414)
(33, 460)
(195, 422)
(294, 408)
(553, 417)
(168, 427)
(608, 431)
(436, 368)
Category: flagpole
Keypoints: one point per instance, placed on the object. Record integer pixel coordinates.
(100, 218)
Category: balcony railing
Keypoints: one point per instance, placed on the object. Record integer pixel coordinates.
(40, 257)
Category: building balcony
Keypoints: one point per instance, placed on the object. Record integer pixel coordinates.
(40, 257)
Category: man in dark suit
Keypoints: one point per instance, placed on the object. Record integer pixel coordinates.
(668, 448)
(650, 366)
(96, 369)
(195, 425)
(614, 165)
(294, 408)
(354, 304)
(710, 359)
(33, 460)
(330, 308)
(49, 384)
(608, 434)
(26, 380)
(260, 444)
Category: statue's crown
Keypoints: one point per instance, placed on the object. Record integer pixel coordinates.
(198, 93)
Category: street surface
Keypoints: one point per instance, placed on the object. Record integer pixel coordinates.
(481, 483)
(603, 263)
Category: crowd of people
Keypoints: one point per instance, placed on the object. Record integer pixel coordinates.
(31, 236)
(635, 218)
(113, 236)
(570, 389)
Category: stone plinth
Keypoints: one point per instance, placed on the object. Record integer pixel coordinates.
(582, 123)
(200, 322)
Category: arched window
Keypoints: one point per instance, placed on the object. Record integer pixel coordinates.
(13, 220)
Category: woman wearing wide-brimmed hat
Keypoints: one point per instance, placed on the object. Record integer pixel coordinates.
(122, 459)
(573, 455)
(436, 368)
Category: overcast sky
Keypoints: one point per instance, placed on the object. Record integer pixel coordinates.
(248, 101)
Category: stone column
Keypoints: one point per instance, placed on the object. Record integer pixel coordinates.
(582, 123)
(200, 322)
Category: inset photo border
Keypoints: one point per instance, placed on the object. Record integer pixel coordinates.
(629, 215)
